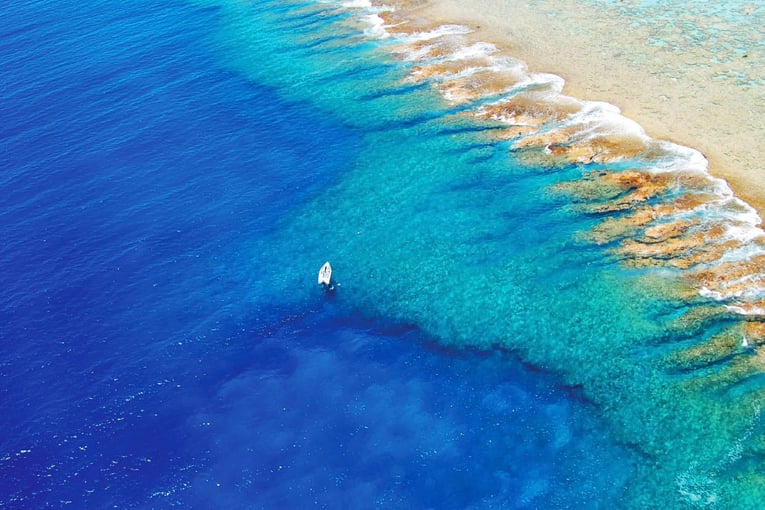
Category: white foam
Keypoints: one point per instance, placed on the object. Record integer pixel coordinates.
(376, 27)
(740, 220)
(605, 119)
(357, 4)
(748, 312)
(477, 50)
(541, 85)
(376, 24)
(748, 214)
(742, 253)
(449, 96)
(494, 67)
(751, 278)
(440, 31)
(753, 290)
(679, 158)
(416, 54)
(525, 83)
(589, 120)
(712, 294)
(752, 294)
(745, 233)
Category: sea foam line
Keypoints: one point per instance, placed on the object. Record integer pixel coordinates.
(551, 128)
(659, 205)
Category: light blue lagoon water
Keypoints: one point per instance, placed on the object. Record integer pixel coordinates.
(173, 177)
(717, 35)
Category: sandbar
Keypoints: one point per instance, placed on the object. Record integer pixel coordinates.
(710, 97)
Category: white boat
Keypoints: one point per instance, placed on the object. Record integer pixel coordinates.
(325, 274)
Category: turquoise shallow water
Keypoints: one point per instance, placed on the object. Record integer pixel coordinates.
(438, 225)
(173, 177)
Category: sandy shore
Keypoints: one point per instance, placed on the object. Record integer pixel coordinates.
(692, 94)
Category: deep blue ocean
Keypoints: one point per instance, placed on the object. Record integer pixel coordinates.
(172, 176)
(138, 172)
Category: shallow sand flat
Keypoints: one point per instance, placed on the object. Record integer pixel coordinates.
(679, 91)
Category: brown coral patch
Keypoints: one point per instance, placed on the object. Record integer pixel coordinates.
(427, 49)
(697, 247)
(398, 22)
(716, 348)
(565, 143)
(665, 231)
(619, 227)
(592, 186)
(618, 191)
(723, 273)
(602, 149)
(752, 308)
(445, 69)
(755, 332)
(527, 111)
(699, 317)
(547, 139)
(628, 191)
(482, 83)
(735, 288)
(732, 279)
(684, 203)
